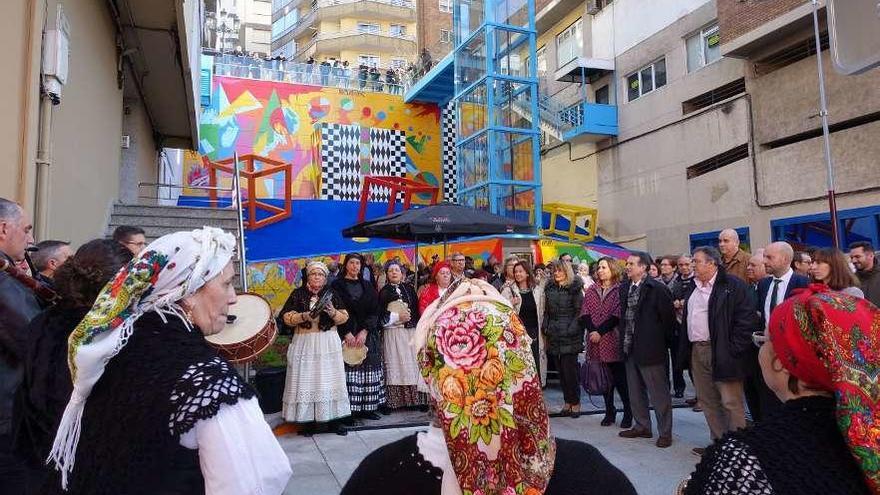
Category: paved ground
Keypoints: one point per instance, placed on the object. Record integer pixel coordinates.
(323, 463)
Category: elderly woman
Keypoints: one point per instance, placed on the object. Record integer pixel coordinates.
(398, 314)
(46, 387)
(366, 380)
(821, 360)
(440, 280)
(600, 315)
(491, 434)
(563, 300)
(506, 275)
(583, 271)
(154, 409)
(830, 267)
(315, 389)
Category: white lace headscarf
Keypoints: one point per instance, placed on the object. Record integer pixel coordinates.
(171, 268)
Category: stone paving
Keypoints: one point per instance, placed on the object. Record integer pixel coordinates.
(323, 463)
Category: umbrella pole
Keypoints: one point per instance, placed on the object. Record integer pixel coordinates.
(445, 245)
(416, 266)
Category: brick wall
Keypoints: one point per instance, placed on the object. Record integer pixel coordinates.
(738, 17)
(430, 22)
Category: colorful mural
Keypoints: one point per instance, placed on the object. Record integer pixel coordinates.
(282, 121)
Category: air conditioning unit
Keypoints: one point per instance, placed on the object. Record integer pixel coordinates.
(593, 7)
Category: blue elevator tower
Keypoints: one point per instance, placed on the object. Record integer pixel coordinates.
(496, 100)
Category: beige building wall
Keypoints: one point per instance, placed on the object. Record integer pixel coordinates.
(140, 162)
(572, 180)
(87, 128)
(19, 82)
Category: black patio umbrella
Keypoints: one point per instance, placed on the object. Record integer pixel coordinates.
(437, 223)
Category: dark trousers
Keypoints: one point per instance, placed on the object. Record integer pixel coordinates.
(618, 375)
(649, 383)
(761, 400)
(13, 473)
(567, 367)
(678, 384)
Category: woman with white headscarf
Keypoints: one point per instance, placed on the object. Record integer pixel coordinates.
(154, 409)
(315, 390)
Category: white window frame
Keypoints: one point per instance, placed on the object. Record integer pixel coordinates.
(445, 6)
(369, 60)
(704, 35)
(541, 59)
(361, 25)
(654, 86)
(401, 32)
(447, 38)
(575, 29)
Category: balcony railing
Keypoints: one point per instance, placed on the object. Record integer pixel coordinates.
(313, 74)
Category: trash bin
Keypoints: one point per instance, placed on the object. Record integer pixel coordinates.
(269, 383)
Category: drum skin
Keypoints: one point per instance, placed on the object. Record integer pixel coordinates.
(250, 334)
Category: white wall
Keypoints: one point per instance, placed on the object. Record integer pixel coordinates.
(625, 23)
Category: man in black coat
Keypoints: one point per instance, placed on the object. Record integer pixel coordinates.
(18, 305)
(777, 287)
(717, 327)
(647, 324)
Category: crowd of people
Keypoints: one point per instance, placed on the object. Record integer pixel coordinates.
(331, 71)
(107, 374)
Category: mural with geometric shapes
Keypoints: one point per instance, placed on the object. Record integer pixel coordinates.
(286, 122)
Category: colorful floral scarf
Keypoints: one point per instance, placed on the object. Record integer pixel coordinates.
(169, 269)
(831, 341)
(475, 356)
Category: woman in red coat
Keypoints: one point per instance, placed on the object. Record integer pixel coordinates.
(441, 278)
(600, 315)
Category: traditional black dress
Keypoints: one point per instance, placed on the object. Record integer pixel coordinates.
(366, 381)
(401, 366)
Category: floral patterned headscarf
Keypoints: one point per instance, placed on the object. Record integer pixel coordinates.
(475, 356)
(831, 341)
(169, 269)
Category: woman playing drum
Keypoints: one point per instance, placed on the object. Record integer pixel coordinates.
(315, 388)
(399, 316)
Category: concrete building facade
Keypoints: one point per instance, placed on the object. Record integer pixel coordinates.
(717, 113)
(126, 96)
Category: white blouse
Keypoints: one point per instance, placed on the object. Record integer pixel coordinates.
(238, 452)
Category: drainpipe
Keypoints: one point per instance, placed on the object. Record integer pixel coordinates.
(21, 194)
(44, 160)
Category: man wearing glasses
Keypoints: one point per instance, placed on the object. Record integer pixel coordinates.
(131, 237)
(719, 318)
(457, 265)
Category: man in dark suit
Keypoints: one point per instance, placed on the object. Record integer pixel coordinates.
(777, 287)
(647, 325)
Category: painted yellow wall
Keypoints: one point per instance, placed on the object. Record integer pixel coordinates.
(572, 182)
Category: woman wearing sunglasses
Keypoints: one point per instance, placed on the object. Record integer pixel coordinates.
(821, 357)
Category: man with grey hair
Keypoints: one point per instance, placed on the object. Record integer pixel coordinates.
(50, 255)
(719, 321)
(457, 265)
(735, 259)
(18, 305)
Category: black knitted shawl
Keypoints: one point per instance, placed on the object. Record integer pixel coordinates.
(799, 450)
(300, 300)
(156, 389)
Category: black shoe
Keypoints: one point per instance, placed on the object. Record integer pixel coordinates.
(627, 422)
(698, 451)
(608, 420)
(371, 415)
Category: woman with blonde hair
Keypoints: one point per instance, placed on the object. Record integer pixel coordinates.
(563, 299)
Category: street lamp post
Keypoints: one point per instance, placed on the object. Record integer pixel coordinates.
(823, 113)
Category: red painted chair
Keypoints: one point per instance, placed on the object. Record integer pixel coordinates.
(397, 185)
(249, 176)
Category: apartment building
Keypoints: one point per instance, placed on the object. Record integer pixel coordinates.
(434, 27)
(372, 32)
(255, 29)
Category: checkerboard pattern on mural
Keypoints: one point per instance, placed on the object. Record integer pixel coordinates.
(340, 162)
(387, 157)
(450, 174)
(349, 151)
